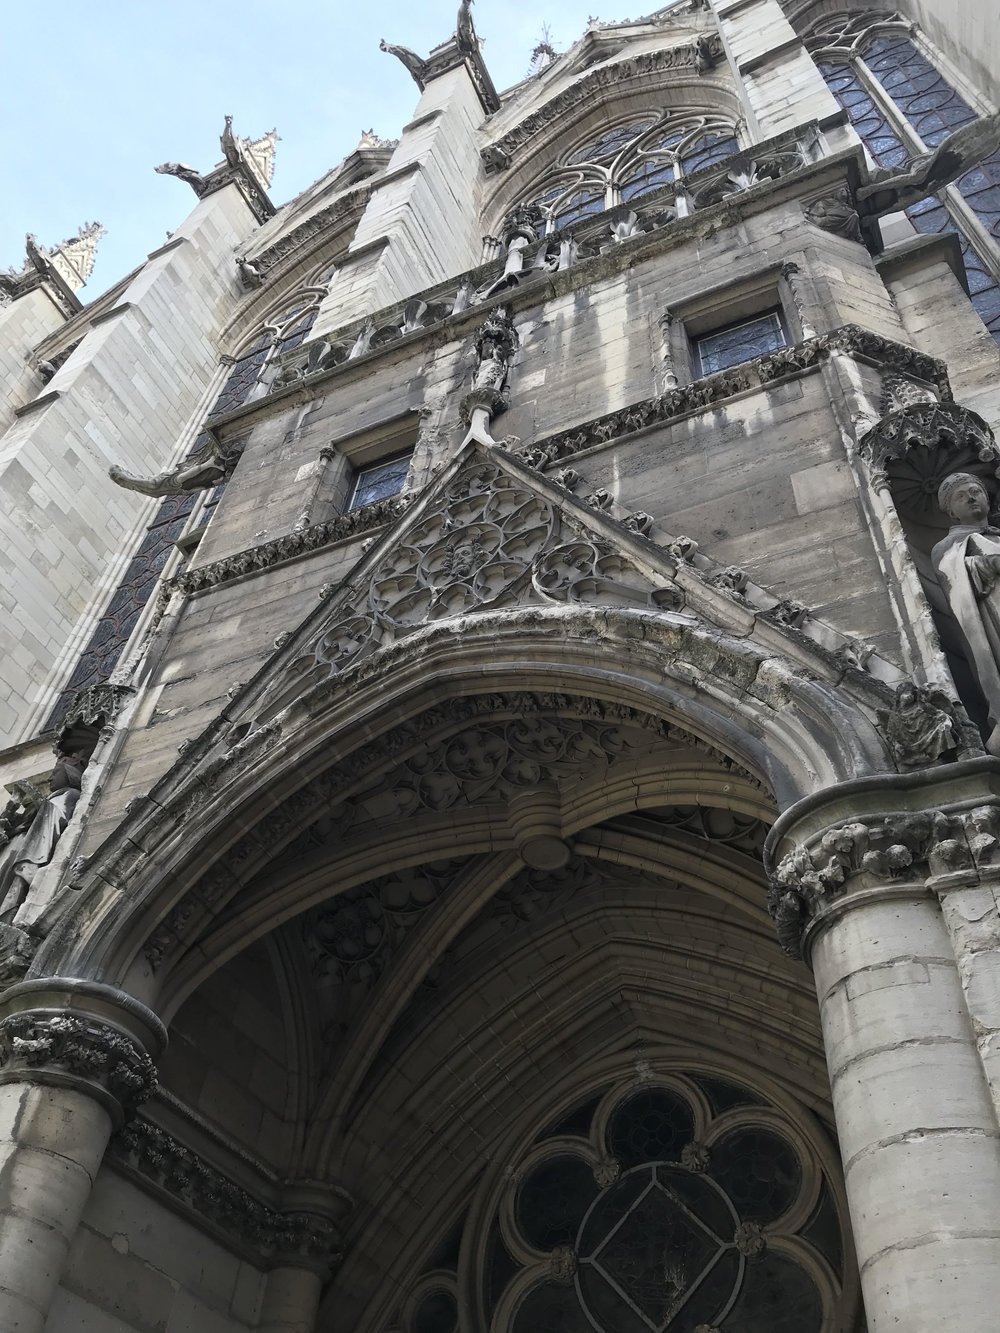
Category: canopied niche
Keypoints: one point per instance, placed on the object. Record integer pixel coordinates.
(909, 452)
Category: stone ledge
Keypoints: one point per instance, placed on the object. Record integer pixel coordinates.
(36, 404)
(106, 316)
(765, 57)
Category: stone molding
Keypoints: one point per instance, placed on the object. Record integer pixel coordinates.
(851, 339)
(315, 227)
(498, 155)
(907, 838)
(299, 1237)
(103, 702)
(276, 552)
(82, 1035)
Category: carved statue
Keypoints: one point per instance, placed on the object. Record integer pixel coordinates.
(465, 33)
(183, 172)
(250, 275)
(415, 66)
(33, 846)
(703, 60)
(967, 562)
(895, 188)
(521, 229)
(208, 467)
(230, 144)
(496, 343)
(920, 726)
(835, 213)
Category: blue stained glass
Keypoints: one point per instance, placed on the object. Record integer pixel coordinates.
(648, 176)
(934, 110)
(380, 482)
(707, 151)
(740, 342)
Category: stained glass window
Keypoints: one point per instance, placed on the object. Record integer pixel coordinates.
(380, 482)
(114, 629)
(671, 1231)
(634, 159)
(928, 103)
(740, 342)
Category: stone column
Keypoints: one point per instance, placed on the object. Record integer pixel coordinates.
(308, 1250)
(853, 889)
(76, 1058)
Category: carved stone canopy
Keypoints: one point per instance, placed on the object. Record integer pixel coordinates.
(913, 449)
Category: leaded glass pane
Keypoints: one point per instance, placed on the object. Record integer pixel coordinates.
(651, 1126)
(380, 482)
(740, 342)
(707, 151)
(874, 130)
(553, 1199)
(649, 175)
(759, 1171)
(931, 105)
(610, 143)
(550, 1308)
(582, 204)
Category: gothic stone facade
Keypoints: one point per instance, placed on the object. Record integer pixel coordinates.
(523, 850)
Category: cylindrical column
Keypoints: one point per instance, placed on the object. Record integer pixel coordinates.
(914, 1117)
(855, 876)
(75, 1060)
(291, 1301)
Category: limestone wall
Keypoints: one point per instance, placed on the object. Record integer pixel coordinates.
(127, 395)
(135, 1266)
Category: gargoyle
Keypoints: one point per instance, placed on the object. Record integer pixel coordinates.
(183, 172)
(895, 188)
(415, 66)
(208, 467)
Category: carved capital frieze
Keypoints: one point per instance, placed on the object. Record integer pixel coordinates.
(306, 1234)
(884, 850)
(81, 1035)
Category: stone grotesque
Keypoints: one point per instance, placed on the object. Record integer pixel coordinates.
(496, 343)
(465, 33)
(411, 62)
(895, 188)
(35, 833)
(522, 227)
(835, 213)
(967, 562)
(183, 172)
(199, 471)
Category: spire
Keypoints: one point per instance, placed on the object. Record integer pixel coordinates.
(72, 261)
(543, 53)
(260, 154)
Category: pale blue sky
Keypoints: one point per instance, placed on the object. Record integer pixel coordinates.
(95, 94)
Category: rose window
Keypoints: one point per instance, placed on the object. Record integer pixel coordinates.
(687, 1205)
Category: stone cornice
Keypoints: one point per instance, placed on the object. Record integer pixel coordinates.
(295, 544)
(305, 1235)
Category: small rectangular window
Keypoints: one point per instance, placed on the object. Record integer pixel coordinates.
(736, 343)
(381, 481)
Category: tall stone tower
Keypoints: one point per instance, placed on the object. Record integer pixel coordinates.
(519, 629)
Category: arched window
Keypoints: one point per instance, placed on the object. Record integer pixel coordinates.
(902, 105)
(631, 159)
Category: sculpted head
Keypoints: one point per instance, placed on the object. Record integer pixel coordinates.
(964, 498)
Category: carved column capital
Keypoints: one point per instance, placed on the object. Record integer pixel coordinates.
(885, 836)
(81, 1035)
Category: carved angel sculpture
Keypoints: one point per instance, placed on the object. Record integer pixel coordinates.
(968, 568)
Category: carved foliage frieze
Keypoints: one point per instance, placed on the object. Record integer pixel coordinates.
(895, 847)
(70, 1047)
(275, 1237)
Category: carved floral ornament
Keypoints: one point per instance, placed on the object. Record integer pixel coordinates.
(898, 848)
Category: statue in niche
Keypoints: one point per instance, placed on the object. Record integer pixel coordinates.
(967, 563)
(38, 830)
(496, 343)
